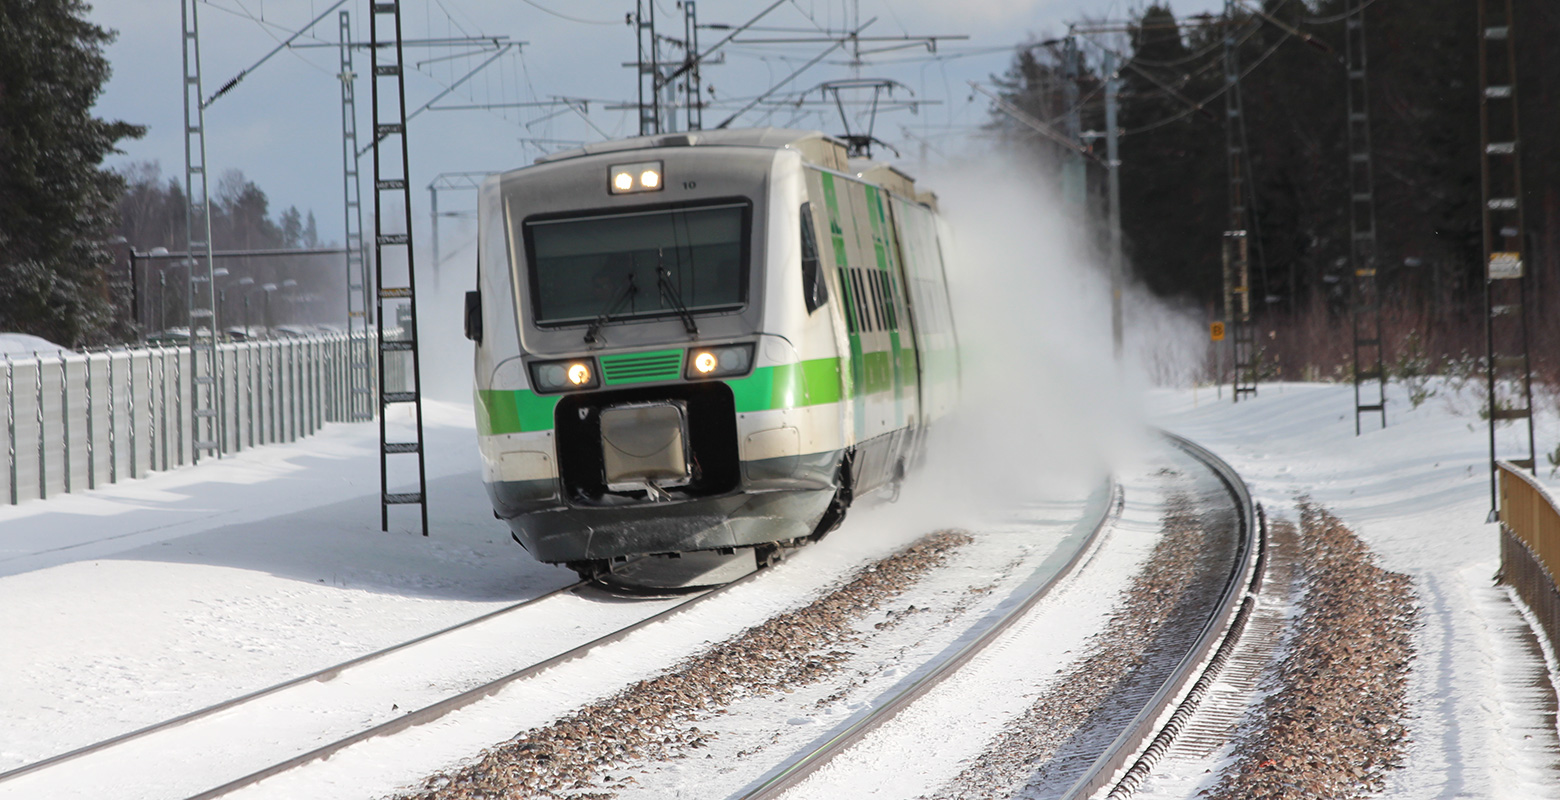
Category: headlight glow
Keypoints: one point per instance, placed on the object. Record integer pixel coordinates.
(721, 361)
(548, 377)
(641, 176)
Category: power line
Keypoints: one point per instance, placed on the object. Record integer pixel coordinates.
(540, 7)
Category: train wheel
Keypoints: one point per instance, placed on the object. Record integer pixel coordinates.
(768, 555)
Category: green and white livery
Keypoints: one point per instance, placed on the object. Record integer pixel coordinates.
(703, 341)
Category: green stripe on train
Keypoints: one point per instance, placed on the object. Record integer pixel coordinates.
(514, 411)
(809, 383)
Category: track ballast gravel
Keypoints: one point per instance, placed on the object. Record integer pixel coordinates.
(655, 719)
(1334, 725)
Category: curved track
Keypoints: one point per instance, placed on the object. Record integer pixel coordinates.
(1200, 663)
(1110, 768)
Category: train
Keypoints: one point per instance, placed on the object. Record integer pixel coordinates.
(703, 342)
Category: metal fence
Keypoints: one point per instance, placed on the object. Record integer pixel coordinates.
(1530, 544)
(74, 421)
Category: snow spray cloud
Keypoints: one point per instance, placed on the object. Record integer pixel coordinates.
(441, 306)
(1045, 408)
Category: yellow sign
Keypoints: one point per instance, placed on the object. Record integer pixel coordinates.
(1216, 331)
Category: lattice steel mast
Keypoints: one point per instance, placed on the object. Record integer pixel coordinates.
(206, 418)
(649, 67)
(1370, 378)
(692, 86)
(1509, 379)
(391, 177)
(1237, 251)
(360, 388)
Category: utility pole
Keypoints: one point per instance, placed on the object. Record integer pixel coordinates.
(1370, 379)
(1237, 250)
(1508, 372)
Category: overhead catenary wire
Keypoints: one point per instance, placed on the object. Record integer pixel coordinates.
(837, 45)
(1038, 126)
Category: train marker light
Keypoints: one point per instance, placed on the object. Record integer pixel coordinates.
(579, 374)
(719, 362)
(642, 176)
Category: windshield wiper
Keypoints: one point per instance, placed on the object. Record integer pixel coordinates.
(663, 280)
(612, 308)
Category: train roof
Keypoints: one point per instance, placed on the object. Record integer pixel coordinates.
(815, 147)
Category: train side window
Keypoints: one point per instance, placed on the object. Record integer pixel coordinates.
(864, 304)
(814, 289)
(882, 300)
(849, 304)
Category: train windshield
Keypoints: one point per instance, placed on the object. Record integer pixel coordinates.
(586, 268)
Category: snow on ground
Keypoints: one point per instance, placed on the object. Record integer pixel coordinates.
(145, 599)
(141, 600)
(1418, 493)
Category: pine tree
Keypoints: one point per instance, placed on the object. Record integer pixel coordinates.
(57, 203)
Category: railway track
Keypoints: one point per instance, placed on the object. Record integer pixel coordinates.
(255, 745)
(1126, 760)
(271, 750)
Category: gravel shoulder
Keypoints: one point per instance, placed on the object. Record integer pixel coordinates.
(1335, 721)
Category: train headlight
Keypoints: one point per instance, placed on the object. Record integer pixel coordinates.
(719, 362)
(642, 176)
(556, 376)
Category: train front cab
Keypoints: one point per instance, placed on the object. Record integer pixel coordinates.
(652, 456)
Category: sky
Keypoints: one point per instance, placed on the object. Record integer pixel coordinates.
(281, 126)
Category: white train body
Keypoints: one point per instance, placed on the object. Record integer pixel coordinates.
(702, 341)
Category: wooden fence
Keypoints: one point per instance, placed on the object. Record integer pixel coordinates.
(1530, 545)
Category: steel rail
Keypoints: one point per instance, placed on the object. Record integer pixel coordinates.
(450, 704)
(1202, 662)
(1221, 630)
(788, 774)
(325, 674)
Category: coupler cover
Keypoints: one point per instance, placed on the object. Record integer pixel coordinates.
(645, 446)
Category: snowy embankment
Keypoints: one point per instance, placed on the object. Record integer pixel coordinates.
(1417, 493)
(145, 599)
